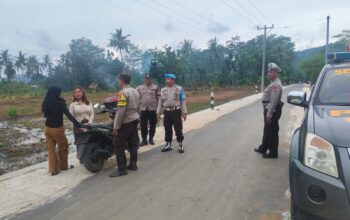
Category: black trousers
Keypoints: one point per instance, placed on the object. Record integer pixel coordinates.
(173, 119)
(270, 137)
(127, 139)
(151, 118)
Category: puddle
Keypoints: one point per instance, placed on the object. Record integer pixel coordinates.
(3, 124)
(22, 143)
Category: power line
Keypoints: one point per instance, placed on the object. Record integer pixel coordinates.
(259, 11)
(194, 12)
(191, 10)
(235, 10)
(136, 14)
(161, 12)
(177, 13)
(131, 12)
(168, 8)
(246, 10)
(300, 24)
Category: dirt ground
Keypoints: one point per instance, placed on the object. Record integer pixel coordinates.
(22, 142)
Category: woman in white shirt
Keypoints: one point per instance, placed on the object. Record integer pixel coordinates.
(81, 108)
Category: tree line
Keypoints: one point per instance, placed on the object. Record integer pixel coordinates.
(311, 65)
(233, 63)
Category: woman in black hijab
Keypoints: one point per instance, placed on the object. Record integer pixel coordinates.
(53, 108)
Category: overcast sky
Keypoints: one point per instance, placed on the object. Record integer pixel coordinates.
(47, 26)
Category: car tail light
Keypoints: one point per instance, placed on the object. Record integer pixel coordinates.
(319, 155)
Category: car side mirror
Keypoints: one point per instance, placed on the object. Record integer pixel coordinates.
(298, 98)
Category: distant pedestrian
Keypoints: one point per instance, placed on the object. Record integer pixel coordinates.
(149, 94)
(53, 108)
(172, 103)
(81, 108)
(272, 105)
(125, 126)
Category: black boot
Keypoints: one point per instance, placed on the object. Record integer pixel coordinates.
(118, 172)
(181, 148)
(143, 142)
(150, 141)
(167, 147)
(270, 156)
(132, 166)
(259, 150)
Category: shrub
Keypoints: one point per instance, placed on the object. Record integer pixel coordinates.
(26, 96)
(13, 99)
(12, 112)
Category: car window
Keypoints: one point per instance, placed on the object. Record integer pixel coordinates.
(335, 88)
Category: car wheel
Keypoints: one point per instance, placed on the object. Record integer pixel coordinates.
(92, 161)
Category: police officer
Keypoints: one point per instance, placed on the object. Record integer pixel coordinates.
(149, 93)
(125, 126)
(172, 103)
(272, 105)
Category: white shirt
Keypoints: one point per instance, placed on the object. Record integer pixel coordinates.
(81, 111)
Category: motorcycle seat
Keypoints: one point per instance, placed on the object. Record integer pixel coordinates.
(105, 126)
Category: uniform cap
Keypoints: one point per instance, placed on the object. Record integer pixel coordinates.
(148, 76)
(273, 66)
(170, 76)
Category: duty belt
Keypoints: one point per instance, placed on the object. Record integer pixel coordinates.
(172, 108)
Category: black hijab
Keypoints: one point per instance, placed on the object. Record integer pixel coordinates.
(52, 99)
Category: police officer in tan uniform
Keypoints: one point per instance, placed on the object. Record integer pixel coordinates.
(149, 93)
(125, 126)
(172, 103)
(272, 105)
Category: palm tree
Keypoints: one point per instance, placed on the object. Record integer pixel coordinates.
(213, 45)
(186, 50)
(9, 70)
(46, 64)
(20, 62)
(119, 42)
(5, 57)
(233, 43)
(213, 52)
(33, 68)
(6, 61)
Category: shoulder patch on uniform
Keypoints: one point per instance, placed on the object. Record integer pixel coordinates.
(122, 100)
(182, 95)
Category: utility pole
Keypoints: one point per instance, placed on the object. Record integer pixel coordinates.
(264, 54)
(327, 41)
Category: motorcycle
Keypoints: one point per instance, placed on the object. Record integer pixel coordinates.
(95, 142)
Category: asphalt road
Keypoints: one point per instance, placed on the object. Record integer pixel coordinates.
(218, 177)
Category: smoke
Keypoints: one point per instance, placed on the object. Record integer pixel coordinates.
(168, 26)
(217, 28)
(40, 39)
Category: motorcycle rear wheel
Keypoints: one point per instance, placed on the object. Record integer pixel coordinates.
(92, 162)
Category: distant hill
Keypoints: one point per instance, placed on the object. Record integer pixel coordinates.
(306, 54)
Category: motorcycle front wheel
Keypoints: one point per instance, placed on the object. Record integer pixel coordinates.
(92, 161)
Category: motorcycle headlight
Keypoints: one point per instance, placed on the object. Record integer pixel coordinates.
(319, 155)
